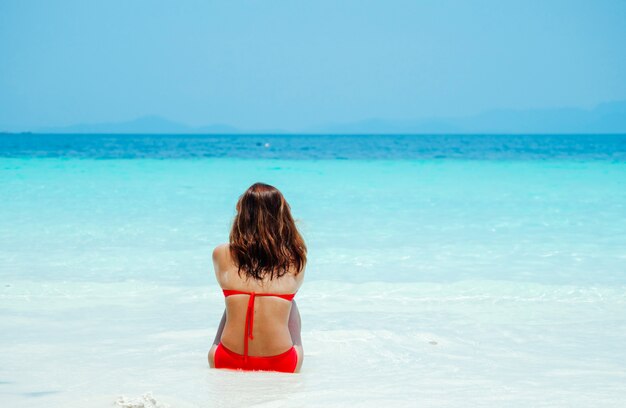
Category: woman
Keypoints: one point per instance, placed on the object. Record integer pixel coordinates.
(260, 270)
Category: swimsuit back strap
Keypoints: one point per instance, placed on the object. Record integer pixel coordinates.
(248, 327)
(250, 313)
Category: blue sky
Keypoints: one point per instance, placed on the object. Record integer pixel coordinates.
(291, 65)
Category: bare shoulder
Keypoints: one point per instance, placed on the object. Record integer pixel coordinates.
(299, 278)
(221, 260)
(221, 252)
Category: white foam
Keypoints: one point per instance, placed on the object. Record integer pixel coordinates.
(144, 401)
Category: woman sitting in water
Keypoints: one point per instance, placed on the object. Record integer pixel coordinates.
(260, 270)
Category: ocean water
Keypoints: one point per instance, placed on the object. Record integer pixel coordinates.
(468, 270)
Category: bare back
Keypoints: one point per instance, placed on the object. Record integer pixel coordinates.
(271, 334)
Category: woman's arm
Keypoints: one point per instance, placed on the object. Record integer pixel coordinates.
(218, 338)
(295, 324)
(220, 329)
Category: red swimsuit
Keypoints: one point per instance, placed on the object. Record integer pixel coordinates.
(225, 358)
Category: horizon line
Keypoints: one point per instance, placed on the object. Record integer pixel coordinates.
(27, 133)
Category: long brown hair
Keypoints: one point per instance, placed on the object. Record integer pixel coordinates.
(264, 239)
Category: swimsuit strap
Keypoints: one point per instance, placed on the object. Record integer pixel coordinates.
(250, 313)
(286, 296)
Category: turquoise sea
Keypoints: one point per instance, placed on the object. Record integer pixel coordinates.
(462, 270)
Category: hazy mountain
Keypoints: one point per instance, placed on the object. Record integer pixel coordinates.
(604, 118)
(146, 124)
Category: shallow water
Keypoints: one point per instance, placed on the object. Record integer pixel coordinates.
(433, 282)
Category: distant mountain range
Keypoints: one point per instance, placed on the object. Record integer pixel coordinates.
(604, 118)
(146, 124)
